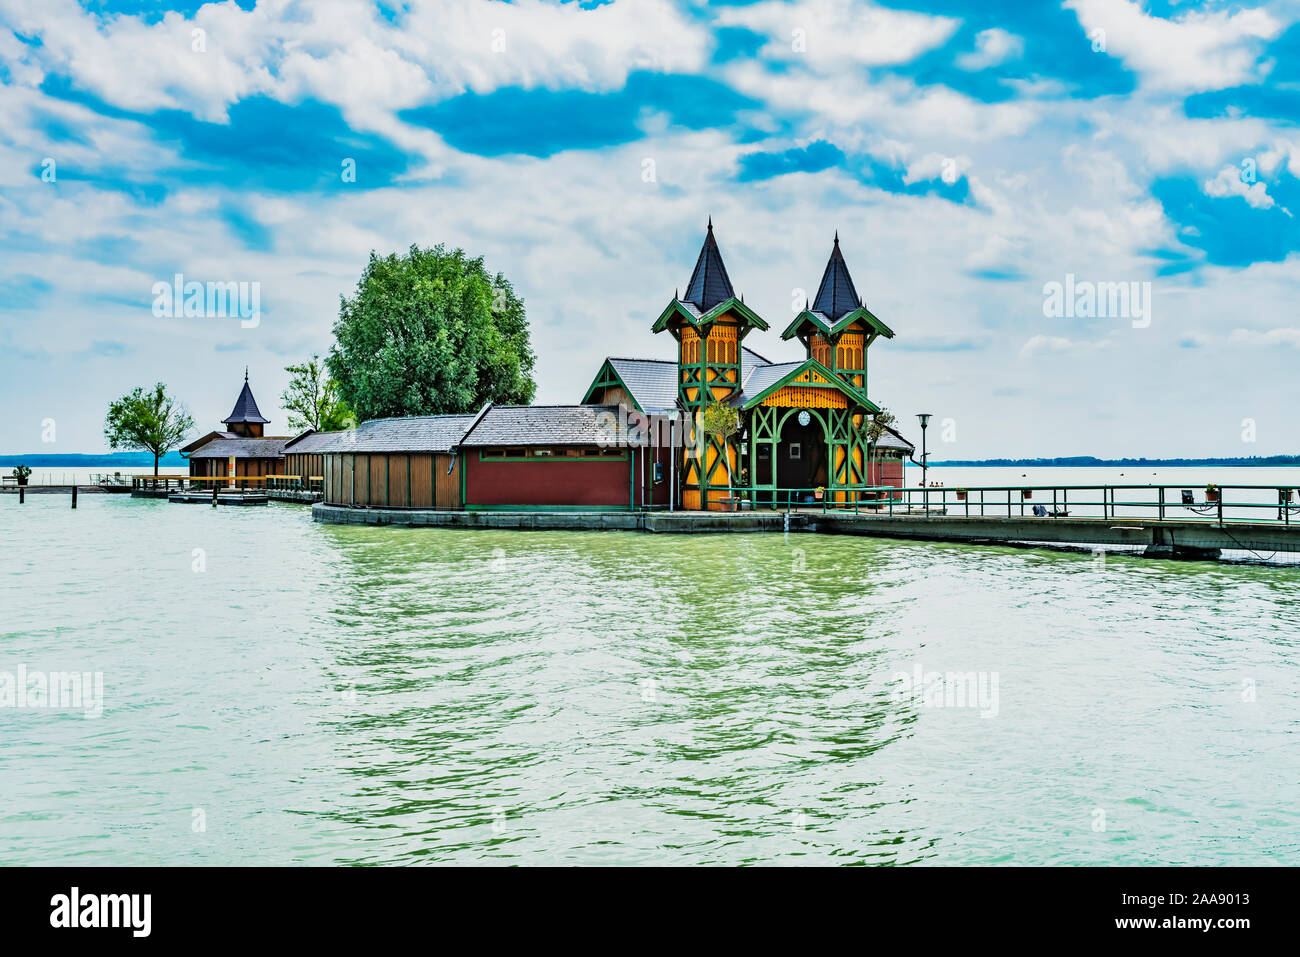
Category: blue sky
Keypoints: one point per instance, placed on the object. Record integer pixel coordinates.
(967, 154)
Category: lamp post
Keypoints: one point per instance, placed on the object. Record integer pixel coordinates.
(925, 460)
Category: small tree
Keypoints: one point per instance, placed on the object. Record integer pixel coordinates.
(150, 421)
(721, 421)
(313, 401)
(881, 421)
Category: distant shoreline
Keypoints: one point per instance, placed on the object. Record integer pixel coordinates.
(128, 460)
(1086, 462)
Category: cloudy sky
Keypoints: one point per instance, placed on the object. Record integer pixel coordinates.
(969, 154)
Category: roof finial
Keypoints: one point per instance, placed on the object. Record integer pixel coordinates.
(837, 237)
(710, 222)
(245, 373)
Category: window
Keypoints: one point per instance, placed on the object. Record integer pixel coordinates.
(493, 453)
(796, 450)
(515, 453)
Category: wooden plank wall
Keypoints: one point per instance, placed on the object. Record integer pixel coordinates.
(447, 485)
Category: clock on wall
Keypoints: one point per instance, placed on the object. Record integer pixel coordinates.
(804, 417)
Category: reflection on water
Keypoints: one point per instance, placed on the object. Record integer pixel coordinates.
(323, 694)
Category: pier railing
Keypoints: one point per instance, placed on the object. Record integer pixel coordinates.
(182, 483)
(1220, 504)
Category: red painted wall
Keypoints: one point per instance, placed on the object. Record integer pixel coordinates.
(504, 482)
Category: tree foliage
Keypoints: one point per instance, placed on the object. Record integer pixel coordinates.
(312, 399)
(147, 420)
(720, 419)
(879, 422)
(430, 332)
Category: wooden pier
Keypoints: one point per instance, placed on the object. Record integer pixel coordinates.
(1155, 521)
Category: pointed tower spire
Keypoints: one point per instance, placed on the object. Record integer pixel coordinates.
(709, 283)
(836, 296)
(246, 409)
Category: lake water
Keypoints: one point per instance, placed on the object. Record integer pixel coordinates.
(277, 691)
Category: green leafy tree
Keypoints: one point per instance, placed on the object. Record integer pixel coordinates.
(312, 399)
(881, 421)
(721, 421)
(147, 420)
(431, 332)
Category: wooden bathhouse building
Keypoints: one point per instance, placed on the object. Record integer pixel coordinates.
(243, 451)
(635, 440)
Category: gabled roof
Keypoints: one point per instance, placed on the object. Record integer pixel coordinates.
(310, 441)
(826, 326)
(709, 283)
(650, 383)
(422, 433)
(205, 439)
(242, 448)
(531, 425)
(755, 357)
(767, 379)
(690, 314)
(836, 296)
(245, 407)
(893, 439)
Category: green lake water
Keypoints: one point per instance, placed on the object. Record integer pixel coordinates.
(296, 693)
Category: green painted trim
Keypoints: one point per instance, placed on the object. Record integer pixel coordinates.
(552, 458)
(603, 382)
(862, 312)
(727, 305)
(833, 382)
(548, 508)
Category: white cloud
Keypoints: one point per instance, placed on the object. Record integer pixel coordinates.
(827, 35)
(1057, 345)
(1268, 338)
(1229, 183)
(342, 52)
(1196, 51)
(992, 46)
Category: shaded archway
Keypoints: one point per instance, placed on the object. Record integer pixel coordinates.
(800, 452)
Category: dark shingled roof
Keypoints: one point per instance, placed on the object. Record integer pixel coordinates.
(652, 382)
(309, 442)
(709, 283)
(245, 407)
(890, 440)
(424, 433)
(241, 448)
(836, 296)
(546, 425)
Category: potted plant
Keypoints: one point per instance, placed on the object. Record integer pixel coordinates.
(1026, 493)
(961, 495)
(819, 492)
(1211, 492)
(22, 473)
